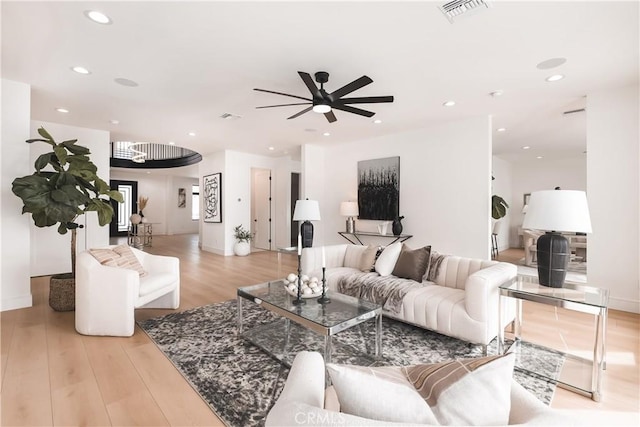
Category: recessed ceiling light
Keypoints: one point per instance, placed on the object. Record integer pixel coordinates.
(501, 129)
(496, 93)
(377, 121)
(449, 103)
(148, 173)
(125, 82)
(114, 122)
(172, 143)
(551, 63)
(80, 70)
(310, 130)
(326, 134)
(271, 148)
(555, 77)
(98, 17)
(62, 110)
(286, 151)
(539, 157)
(526, 147)
(192, 134)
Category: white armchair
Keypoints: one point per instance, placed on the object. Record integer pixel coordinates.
(106, 297)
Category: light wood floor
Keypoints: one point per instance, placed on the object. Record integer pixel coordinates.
(53, 376)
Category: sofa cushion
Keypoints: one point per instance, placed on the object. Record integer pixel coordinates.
(379, 393)
(387, 259)
(466, 391)
(360, 257)
(412, 264)
(120, 256)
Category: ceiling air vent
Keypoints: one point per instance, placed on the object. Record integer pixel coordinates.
(229, 116)
(454, 9)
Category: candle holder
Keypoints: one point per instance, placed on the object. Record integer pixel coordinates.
(324, 299)
(299, 300)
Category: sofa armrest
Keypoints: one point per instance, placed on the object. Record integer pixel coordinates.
(312, 257)
(481, 290)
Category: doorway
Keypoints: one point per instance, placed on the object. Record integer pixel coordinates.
(295, 195)
(261, 208)
(123, 211)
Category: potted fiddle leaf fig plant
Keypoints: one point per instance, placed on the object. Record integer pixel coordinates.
(63, 187)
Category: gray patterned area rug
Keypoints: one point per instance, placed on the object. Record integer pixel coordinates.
(240, 382)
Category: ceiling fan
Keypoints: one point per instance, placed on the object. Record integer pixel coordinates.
(323, 102)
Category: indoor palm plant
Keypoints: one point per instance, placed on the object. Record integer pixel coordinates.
(243, 237)
(63, 187)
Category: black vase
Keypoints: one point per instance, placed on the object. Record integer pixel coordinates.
(396, 227)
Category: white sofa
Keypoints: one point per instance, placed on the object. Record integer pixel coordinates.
(461, 302)
(305, 402)
(106, 297)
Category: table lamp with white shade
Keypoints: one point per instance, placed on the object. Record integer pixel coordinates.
(350, 210)
(307, 211)
(556, 211)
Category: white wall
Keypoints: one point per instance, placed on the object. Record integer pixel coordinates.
(162, 208)
(313, 184)
(568, 173)
(15, 243)
(613, 192)
(51, 251)
(445, 179)
(501, 186)
(236, 197)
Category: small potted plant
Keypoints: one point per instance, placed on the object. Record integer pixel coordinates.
(243, 237)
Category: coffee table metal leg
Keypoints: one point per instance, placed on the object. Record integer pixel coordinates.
(378, 349)
(327, 349)
(239, 315)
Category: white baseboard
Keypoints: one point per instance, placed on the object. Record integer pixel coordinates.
(215, 251)
(624, 305)
(16, 302)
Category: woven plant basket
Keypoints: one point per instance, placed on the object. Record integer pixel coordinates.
(62, 292)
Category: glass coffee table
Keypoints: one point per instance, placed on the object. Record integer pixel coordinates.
(281, 339)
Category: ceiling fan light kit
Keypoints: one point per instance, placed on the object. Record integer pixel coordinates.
(323, 102)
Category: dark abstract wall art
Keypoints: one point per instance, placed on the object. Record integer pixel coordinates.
(379, 188)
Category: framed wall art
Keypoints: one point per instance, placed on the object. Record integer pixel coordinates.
(379, 188)
(212, 197)
(182, 198)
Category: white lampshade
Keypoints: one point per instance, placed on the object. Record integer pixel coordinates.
(558, 210)
(306, 210)
(349, 209)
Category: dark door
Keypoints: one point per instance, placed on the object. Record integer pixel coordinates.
(123, 211)
(295, 195)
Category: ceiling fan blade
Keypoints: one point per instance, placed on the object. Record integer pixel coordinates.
(353, 110)
(285, 105)
(348, 88)
(306, 78)
(330, 116)
(280, 93)
(300, 113)
(366, 100)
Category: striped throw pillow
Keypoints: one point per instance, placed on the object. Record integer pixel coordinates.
(120, 256)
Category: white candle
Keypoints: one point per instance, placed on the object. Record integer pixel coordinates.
(299, 244)
(324, 262)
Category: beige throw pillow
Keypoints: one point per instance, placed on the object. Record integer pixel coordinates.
(466, 391)
(412, 264)
(379, 394)
(353, 255)
(121, 256)
(368, 258)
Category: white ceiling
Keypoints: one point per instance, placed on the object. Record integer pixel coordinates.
(195, 61)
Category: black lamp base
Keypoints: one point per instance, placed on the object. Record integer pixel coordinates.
(553, 258)
(306, 230)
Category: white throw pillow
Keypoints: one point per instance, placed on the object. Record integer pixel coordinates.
(388, 258)
(382, 394)
(466, 391)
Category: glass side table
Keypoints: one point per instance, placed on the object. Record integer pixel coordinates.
(578, 374)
